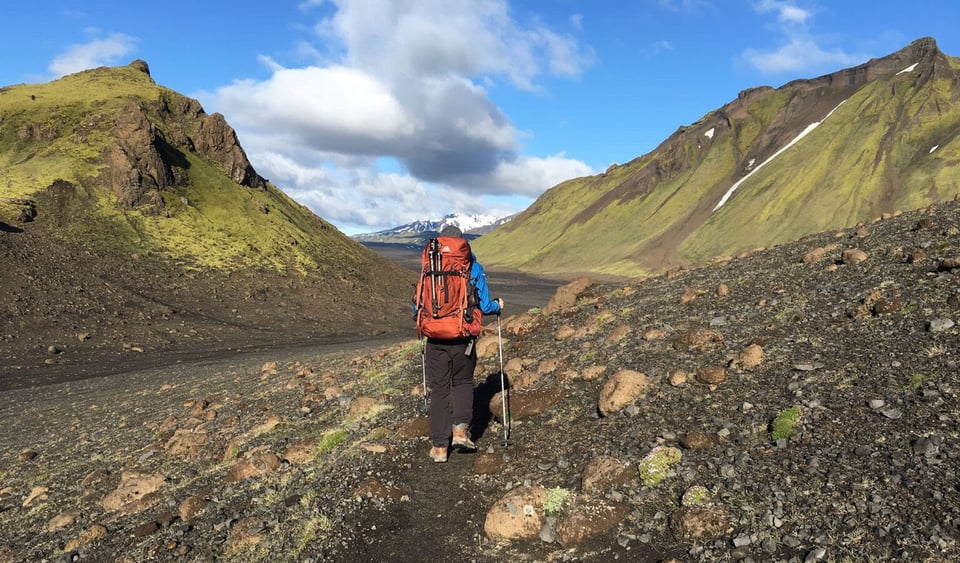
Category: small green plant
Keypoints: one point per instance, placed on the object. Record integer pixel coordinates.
(655, 467)
(603, 318)
(331, 440)
(553, 504)
(916, 381)
(785, 425)
(695, 496)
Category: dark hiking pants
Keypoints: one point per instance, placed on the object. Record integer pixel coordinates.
(450, 379)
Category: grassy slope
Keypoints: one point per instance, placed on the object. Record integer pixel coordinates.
(833, 177)
(61, 129)
(850, 169)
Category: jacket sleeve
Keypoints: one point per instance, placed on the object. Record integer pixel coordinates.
(479, 280)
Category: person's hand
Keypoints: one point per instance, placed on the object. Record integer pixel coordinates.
(500, 303)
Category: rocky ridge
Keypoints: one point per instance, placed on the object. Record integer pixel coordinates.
(795, 403)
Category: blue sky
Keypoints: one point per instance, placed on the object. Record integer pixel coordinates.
(375, 113)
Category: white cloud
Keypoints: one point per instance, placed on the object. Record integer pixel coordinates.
(685, 5)
(787, 12)
(799, 50)
(799, 53)
(98, 52)
(408, 81)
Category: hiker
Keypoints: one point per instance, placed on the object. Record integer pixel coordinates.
(450, 353)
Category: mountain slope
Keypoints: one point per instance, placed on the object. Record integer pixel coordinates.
(124, 205)
(769, 167)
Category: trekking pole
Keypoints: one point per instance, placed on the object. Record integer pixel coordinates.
(503, 387)
(423, 362)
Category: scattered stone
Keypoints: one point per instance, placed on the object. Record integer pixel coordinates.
(517, 515)
(245, 534)
(712, 375)
(699, 340)
(678, 378)
(697, 441)
(621, 389)
(653, 334)
(566, 296)
(593, 373)
(750, 357)
(187, 443)
(892, 413)
(617, 335)
(940, 325)
(564, 332)
(62, 520)
(361, 406)
(817, 254)
(146, 529)
(951, 263)
(604, 473)
(92, 534)
(37, 493)
(695, 524)
(26, 455)
(852, 256)
(136, 493)
(722, 290)
(587, 519)
(886, 306)
(191, 507)
(256, 465)
(689, 296)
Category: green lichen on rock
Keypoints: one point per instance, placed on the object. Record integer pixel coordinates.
(695, 496)
(785, 425)
(657, 464)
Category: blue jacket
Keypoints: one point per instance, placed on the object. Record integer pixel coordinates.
(478, 279)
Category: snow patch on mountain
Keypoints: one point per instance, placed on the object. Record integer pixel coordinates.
(802, 134)
(469, 224)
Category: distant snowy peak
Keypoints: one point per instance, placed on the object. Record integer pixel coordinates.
(469, 224)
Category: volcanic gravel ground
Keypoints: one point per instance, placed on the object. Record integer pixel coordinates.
(863, 344)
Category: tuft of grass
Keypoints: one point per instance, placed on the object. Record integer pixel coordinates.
(916, 381)
(785, 424)
(331, 440)
(553, 503)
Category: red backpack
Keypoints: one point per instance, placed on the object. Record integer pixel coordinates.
(445, 302)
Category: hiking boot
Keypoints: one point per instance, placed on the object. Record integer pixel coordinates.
(461, 439)
(438, 454)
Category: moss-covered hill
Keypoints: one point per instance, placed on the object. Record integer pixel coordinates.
(118, 161)
(122, 203)
(769, 167)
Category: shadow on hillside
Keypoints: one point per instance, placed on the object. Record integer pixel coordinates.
(482, 395)
(5, 228)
